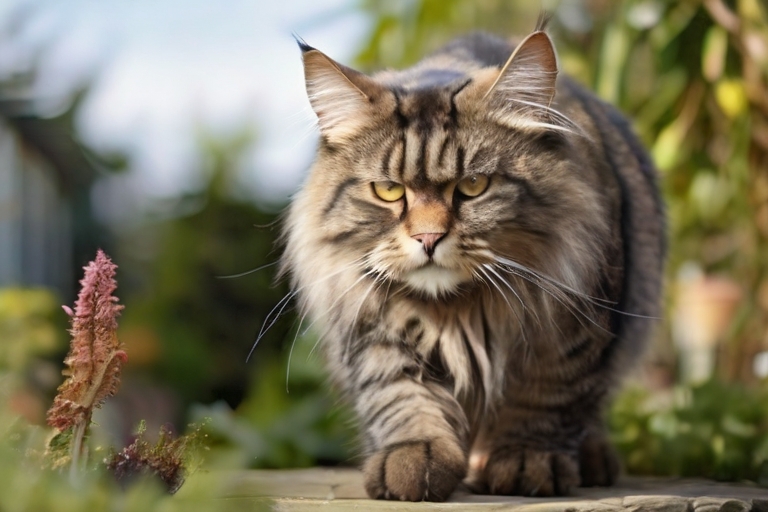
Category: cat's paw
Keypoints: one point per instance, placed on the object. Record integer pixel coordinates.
(598, 462)
(415, 471)
(521, 471)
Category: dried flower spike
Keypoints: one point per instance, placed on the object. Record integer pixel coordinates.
(95, 356)
(166, 460)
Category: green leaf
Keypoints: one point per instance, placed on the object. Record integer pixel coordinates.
(713, 53)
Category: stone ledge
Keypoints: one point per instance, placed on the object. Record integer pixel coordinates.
(342, 489)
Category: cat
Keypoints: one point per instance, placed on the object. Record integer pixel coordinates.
(481, 244)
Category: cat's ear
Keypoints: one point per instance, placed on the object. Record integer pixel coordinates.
(341, 97)
(522, 92)
(530, 72)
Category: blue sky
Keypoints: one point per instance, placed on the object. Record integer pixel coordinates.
(160, 68)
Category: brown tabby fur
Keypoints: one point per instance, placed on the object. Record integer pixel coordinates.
(497, 344)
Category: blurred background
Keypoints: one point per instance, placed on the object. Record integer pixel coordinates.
(171, 134)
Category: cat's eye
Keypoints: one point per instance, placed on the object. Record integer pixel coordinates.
(388, 190)
(473, 186)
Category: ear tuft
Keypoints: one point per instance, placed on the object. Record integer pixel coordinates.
(544, 18)
(303, 46)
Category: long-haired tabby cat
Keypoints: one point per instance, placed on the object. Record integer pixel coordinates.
(481, 244)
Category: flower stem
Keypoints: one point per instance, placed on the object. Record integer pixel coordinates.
(77, 448)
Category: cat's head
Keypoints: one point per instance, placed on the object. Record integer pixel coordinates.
(425, 177)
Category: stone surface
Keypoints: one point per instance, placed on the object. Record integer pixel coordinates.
(342, 489)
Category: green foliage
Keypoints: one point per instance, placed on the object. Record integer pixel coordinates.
(32, 329)
(26, 451)
(299, 422)
(188, 324)
(26, 327)
(26, 487)
(712, 430)
(404, 31)
(287, 420)
(203, 326)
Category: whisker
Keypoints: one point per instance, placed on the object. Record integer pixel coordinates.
(269, 225)
(285, 300)
(564, 300)
(480, 278)
(386, 293)
(341, 295)
(241, 274)
(523, 268)
(595, 301)
(491, 269)
(290, 353)
(504, 296)
(377, 281)
(304, 315)
(308, 130)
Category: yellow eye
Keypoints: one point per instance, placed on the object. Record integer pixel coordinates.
(473, 186)
(388, 190)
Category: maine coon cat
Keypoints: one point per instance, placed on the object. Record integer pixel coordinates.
(480, 243)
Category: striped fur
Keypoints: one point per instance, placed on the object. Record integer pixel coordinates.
(487, 329)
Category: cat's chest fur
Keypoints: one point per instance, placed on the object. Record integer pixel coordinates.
(452, 341)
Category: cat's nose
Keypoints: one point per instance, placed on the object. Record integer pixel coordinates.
(429, 241)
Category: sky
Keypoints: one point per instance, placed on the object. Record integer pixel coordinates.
(159, 70)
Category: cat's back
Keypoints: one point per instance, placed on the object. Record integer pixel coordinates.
(452, 62)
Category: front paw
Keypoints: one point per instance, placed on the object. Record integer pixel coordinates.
(598, 460)
(527, 472)
(415, 471)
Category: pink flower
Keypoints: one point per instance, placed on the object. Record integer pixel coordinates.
(95, 356)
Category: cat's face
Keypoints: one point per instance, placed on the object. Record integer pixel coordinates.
(429, 204)
(426, 185)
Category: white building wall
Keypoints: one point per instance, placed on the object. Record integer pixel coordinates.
(35, 219)
(10, 208)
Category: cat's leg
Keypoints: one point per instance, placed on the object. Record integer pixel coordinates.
(598, 461)
(546, 453)
(548, 431)
(415, 429)
(532, 453)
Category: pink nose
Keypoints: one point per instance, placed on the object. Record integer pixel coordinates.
(429, 241)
